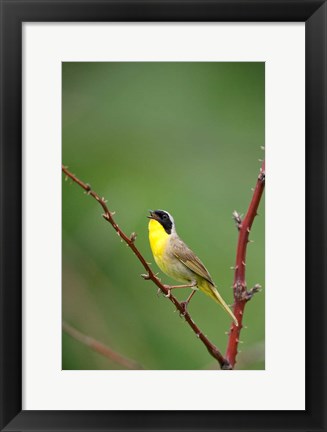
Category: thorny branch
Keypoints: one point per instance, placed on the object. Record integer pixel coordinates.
(241, 294)
(130, 241)
(100, 348)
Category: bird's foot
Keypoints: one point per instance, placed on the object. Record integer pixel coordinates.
(184, 305)
(168, 291)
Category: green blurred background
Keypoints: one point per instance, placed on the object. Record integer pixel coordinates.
(184, 137)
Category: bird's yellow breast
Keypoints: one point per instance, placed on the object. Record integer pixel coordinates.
(158, 241)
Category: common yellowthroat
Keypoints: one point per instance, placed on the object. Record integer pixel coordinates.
(178, 261)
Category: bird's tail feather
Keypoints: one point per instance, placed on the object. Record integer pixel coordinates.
(214, 294)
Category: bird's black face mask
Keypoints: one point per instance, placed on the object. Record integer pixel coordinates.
(163, 218)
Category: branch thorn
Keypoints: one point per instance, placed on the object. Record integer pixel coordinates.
(262, 176)
(254, 290)
(133, 237)
(88, 189)
(238, 219)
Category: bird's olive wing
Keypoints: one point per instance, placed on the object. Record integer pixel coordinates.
(191, 261)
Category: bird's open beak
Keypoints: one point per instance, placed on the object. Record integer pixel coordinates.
(152, 215)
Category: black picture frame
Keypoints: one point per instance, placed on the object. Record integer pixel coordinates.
(314, 14)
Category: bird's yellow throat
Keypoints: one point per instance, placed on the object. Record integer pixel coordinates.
(158, 238)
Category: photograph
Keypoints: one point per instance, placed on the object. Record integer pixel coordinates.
(163, 216)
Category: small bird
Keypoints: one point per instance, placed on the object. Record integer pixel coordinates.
(178, 261)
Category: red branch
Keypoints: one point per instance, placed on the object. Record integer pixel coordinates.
(241, 294)
(100, 348)
(108, 215)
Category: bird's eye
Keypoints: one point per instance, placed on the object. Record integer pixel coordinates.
(164, 216)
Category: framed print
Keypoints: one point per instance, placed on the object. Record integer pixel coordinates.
(110, 109)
